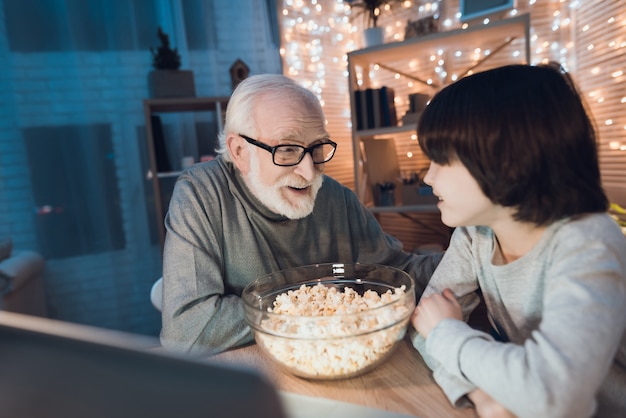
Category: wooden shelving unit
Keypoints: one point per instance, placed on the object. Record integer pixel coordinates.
(173, 105)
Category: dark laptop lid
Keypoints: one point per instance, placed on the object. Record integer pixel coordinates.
(55, 369)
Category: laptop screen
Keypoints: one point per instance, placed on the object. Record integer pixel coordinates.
(55, 369)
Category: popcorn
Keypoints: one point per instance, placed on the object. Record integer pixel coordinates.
(332, 333)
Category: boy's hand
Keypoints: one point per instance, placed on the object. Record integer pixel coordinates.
(487, 407)
(431, 310)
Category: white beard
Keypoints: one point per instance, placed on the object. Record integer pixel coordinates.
(272, 196)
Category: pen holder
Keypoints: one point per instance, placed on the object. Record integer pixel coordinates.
(414, 194)
(386, 194)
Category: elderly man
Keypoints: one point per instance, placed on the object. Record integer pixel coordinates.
(262, 205)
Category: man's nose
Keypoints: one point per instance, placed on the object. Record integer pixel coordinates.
(306, 168)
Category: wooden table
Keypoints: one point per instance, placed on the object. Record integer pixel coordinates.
(402, 384)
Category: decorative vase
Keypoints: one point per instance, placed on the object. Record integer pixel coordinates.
(171, 83)
(374, 36)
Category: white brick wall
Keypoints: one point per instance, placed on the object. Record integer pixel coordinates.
(52, 89)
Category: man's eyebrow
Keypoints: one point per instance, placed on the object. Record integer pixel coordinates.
(296, 138)
(325, 138)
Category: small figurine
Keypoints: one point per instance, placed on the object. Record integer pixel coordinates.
(165, 58)
(239, 71)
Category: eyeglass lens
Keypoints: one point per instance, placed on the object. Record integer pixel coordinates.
(293, 154)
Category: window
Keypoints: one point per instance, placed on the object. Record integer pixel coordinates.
(75, 190)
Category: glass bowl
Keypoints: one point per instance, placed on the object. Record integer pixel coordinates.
(330, 321)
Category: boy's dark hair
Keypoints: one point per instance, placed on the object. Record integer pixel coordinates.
(523, 133)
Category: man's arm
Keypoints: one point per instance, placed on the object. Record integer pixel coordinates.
(197, 316)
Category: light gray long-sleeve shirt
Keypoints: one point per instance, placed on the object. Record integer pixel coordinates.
(562, 309)
(220, 238)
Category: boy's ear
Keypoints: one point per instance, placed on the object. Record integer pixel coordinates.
(239, 152)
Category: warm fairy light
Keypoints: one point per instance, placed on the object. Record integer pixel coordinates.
(617, 145)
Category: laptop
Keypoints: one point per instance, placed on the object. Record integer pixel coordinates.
(51, 369)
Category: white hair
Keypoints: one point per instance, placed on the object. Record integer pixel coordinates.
(240, 109)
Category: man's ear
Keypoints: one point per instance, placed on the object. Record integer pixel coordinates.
(239, 152)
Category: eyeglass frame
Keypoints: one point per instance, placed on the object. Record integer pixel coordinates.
(272, 150)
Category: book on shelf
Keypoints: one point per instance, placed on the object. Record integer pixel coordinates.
(418, 102)
(361, 108)
(375, 108)
(388, 107)
(359, 102)
(378, 108)
(370, 94)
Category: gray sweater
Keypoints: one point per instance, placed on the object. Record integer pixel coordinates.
(220, 238)
(561, 310)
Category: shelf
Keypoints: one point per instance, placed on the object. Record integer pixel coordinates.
(406, 208)
(388, 130)
(518, 26)
(191, 104)
(172, 105)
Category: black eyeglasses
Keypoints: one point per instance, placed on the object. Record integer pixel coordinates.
(289, 155)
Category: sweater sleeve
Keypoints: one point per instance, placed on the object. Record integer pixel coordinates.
(198, 314)
(457, 273)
